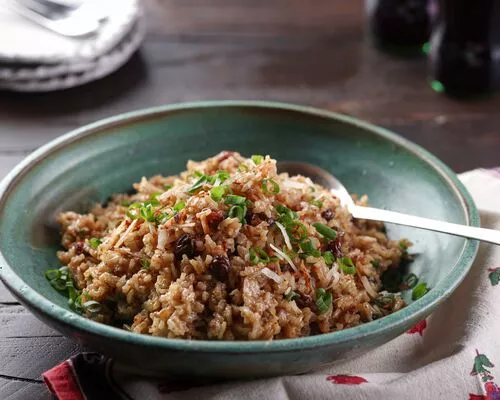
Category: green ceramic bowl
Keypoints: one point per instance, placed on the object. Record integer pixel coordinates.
(89, 164)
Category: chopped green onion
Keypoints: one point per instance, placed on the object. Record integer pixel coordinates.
(145, 263)
(94, 242)
(275, 189)
(384, 301)
(217, 192)
(328, 257)
(148, 213)
(317, 203)
(221, 175)
(179, 206)
(131, 207)
(153, 200)
(296, 230)
(168, 186)
(238, 211)
(308, 248)
(323, 300)
(92, 306)
(163, 217)
(198, 174)
(234, 199)
(198, 184)
(325, 231)
(258, 255)
(375, 263)
(346, 265)
(419, 291)
(52, 274)
(286, 215)
(243, 168)
(411, 281)
(403, 244)
(257, 159)
(291, 295)
(125, 203)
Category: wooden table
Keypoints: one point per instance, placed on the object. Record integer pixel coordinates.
(284, 50)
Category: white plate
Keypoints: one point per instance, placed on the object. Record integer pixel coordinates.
(22, 41)
(98, 68)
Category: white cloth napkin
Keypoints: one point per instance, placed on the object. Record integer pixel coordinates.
(451, 355)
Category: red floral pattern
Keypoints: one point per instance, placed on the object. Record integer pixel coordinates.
(419, 328)
(346, 379)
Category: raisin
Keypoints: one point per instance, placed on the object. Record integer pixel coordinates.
(185, 245)
(335, 246)
(327, 214)
(304, 300)
(214, 219)
(78, 247)
(219, 268)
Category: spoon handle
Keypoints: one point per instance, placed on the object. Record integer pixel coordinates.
(486, 235)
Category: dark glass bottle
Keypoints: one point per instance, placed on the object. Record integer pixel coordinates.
(465, 48)
(399, 24)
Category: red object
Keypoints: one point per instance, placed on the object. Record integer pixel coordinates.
(61, 381)
(476, 397)
(419, 328)
(346, 379)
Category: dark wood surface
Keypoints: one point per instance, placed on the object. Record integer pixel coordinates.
(285, 50)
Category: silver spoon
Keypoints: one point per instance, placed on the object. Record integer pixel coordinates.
(325, 179)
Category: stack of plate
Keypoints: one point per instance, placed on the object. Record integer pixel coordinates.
(34, 58)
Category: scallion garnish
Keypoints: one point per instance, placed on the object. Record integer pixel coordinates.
(198, 184)
(238, 211)
(296, 230)
(419, 291)
(325, 231)
(411, 281)
(94, 242)
(179, 206)
(153, 200)
(257, 159)
(235, 200)
(145, 263)
(258, 255)
(61, 280)
(346, 265)
(275, 188)
(323, 300)
(309, 249)
(328, 257)
(375, 263)
(384, 301)
(291, 295)
(285, 214)
(217, 192)
(168, 186)
(317, 203)
(92, 306)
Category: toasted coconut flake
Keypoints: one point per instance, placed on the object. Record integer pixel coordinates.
(368, 287)
(282, 256)
(124, 236)
(271, 275)
(285, 235)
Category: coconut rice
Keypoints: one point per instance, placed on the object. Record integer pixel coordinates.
(227, 250)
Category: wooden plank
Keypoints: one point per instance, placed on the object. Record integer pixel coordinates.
(14, 389)
(5, 296)
(17, 322)
(29, 357)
